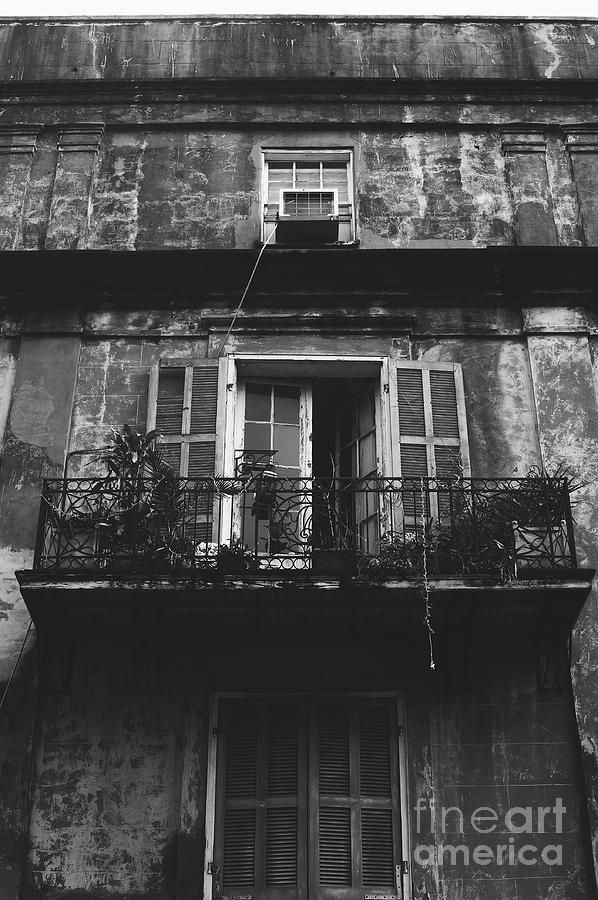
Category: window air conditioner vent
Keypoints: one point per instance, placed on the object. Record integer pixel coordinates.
(310, 204)
(307, 217)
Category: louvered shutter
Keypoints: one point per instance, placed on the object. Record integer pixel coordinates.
(355, 799)
(185, 412)
(432, 432)
(261, 812)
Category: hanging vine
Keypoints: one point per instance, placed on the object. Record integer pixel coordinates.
(425, 582)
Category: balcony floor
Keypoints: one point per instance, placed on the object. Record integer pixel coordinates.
(271, 601)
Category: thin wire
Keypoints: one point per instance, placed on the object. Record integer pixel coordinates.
(247, 286)
(15, 667)
(426, 584)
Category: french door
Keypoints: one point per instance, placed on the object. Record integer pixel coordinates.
(307, 799)
(274, 429)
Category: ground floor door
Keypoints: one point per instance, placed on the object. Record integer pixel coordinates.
(307, 802)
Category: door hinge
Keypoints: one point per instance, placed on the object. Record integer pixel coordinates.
(217, 732)
(401, 731)
(212, 869)
(405, 867)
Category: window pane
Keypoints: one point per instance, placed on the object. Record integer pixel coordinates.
(366, 411)
(286, 404)
(257, 437)
(346, 426)
(348, 462)
(257, 403)
(367, 455)
(280, 176)
(286, 441)
(334, 175)
(308, 175)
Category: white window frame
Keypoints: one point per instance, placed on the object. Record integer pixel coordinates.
(211, 774)
(305, 154)
(273, 366)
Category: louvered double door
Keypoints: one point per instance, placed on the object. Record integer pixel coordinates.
(307, 800)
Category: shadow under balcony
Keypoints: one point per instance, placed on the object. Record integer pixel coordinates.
(263, 552)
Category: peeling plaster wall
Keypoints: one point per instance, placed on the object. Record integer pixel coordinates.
(199, 187)
(118, 806)
(35, 440)
(119, 765)
(501, 415)
(106, 806)
(297, 47)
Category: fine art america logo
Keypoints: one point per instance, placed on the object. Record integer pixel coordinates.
(513, 838)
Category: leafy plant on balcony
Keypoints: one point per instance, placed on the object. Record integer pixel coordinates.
(472, 542)
(538, 499)
(137, 512)
(235, 558)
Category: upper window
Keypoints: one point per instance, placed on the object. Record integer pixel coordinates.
(308, 197)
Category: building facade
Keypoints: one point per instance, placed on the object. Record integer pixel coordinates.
(327, 631)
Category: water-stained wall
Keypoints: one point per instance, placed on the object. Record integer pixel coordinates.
(148, 136)
(199, 187)
(121, 761)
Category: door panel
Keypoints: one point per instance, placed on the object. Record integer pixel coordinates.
(358, 460)
(261, 800)
(354, 808)
(293, 767)
(274, 434)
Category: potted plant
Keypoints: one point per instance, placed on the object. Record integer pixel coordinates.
(236, 558)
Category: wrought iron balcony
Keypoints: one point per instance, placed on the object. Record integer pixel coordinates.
(377, 528)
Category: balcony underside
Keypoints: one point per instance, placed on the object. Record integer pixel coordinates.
(267, 602)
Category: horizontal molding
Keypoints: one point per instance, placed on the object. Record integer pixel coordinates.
(18, 139)
(83, 138)
(583, 140)
(523, 142)
(142, 91)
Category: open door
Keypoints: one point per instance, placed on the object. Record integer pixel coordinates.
(273, 444)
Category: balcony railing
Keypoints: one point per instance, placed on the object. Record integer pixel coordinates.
(376, 527)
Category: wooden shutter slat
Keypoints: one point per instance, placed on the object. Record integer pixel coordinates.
(411, 402)
(281, 846)
(204, 400)
(239, 848)
(377, 848)
(171, 454)
(414, 461)
(444, 404)
(448, 461)
(201, 459)
(335, 846)
(241, 751)
(374, 751)
(282, 760)
(170, 401)
(334, 761)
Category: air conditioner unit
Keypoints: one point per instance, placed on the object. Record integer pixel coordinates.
(307, 217)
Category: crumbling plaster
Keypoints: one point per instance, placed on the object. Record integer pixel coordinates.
(200, 189)
(297, 47)
(118, 803)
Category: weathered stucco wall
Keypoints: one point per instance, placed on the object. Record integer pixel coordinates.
(200, 188)
(132, 143)
(296, 47)
(121, 760)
